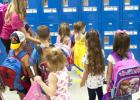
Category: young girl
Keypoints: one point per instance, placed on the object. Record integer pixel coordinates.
(14, 20)
(121, 48)
(79, 49)
(94, 66)
(57, 87)
(64, 34)
(79, 30)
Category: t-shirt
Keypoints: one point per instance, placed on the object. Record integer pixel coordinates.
(93, 81)
(111, 59)
(9, 28)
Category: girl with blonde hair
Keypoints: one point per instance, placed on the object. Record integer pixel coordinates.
(57, 87)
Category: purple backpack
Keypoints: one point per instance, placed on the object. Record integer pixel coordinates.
(3, 8)
(125, 76)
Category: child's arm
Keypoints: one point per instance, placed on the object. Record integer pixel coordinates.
(109, 75)
(26, 65)
(85, 75)
(50, 90)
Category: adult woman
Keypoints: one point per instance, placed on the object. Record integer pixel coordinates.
(14, 20)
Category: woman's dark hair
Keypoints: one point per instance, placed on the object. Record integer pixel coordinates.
(95, 55)
(121, 43)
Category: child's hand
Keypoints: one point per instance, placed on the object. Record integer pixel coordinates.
(82, 83)
(38, 79)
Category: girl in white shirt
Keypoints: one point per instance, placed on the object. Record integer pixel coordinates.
(94, 66)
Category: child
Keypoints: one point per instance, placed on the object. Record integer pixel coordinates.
(79, 28)
(18, 41)
(79, 49)
(57, 87)
(38, 52)
(64, 34)
(94, 66)
(121, 48)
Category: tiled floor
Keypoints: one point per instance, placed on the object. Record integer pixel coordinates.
(76, 93)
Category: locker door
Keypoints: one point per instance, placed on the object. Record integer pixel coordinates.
(107, 36)
(90, 13)
(70, 11)
(50, 12)
(131, 10)
(133, 29)
(33, 13)
(111, 11)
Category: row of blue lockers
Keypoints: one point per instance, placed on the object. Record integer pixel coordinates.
(106, 16)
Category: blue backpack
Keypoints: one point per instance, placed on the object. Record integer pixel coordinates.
(10, 70)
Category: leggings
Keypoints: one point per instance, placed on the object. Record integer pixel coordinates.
(92, 93)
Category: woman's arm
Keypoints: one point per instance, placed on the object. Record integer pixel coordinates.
(85, 75)
(50, 90)
(28, 37)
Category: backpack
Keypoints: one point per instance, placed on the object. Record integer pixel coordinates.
(3, 8)
(66, 51)
(126, 76)
(10, 70)
(41, 64)
(35, 93)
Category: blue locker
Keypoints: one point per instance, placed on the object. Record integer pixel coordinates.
(107, 36)
(133, 29)
(50, 12)
(33, 12)
(90, 10)
(90, 13)
(70, 11)
(3, 53)
(111, 10)
(131, 10)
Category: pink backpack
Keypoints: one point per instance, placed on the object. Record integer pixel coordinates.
(35, 93)
(126, 76)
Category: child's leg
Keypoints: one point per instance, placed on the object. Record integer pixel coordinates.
(92, 94)
(99, 93)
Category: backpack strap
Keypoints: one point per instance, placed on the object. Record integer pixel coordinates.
(39, 51)
(21, 55)
(11, 53)
(130, 55)
(118, 58)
